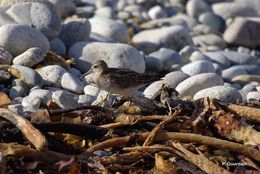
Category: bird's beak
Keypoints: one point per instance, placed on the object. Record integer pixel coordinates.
(87, 73)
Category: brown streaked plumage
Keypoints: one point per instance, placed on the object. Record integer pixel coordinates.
(118, 81)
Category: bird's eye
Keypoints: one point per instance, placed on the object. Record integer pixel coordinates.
(95, 66)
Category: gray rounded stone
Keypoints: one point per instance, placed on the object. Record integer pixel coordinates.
(167, 56)
(115, 54)
(157, 12)
(30, 76)
(30, 57)
(64, 7)
(18, 38)
(43, 94)
(198, 67)
(218, 57)
(243, 32)
(114, 29)
(232, 72)
(16, 91)
(239, 58)
(75, 31)
(209, 40)
(190, 86)
(186, 52)
(152, 89)
(52, 75)
(106, 12)
(5, 56)
(172, 79)
(58, 46)
(196, 7)
(65, 99)
(222, 93)
(197, 55)
(231, 9)
(253, 96)
(174, 37)
(72, 83)
(42, 16)
(212, 20)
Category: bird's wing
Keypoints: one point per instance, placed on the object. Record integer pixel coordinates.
(125, 77)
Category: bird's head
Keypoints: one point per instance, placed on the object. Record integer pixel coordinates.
(97, 68)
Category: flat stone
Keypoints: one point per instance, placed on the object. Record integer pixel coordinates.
(16, 91)
(64, 7)
(190, 86)
(174, 37)
(58, 46)
(43, 94)
(152, 89)
(222, 93)
(209, 40)
(231, 9)
(30, 57)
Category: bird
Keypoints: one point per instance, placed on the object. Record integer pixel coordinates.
(124, 82)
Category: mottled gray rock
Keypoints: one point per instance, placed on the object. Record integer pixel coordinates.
(65, 99)
(246, 78)
(16, 91)
(253, 96)
(209, 40)
(243, 32)
(116, 55)
(52, 75)
(75, 72)
(43, 94)
(196, 7)
(30, 76)
(114, 29)
(152, 89)
(42, 16)
(64, 7)
(174, 37)
(92, 90)
(172, 79)
(153, 64)
(95, 37)
(75, 30)
(86, 99)
(72, 83)
(58, 46)
(5, 75)
(18, 38)
(31, 104)
(17, 108)
(5, 56)
(167, 56)
(30, 57)
(198, 67)
(222, 93)
(190, 86)
(213, 21)
(232, 9)
(104, 99)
